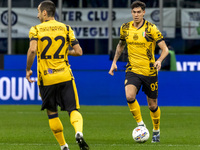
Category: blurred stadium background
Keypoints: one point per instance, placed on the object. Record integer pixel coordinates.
(92, 21)
(182, 32)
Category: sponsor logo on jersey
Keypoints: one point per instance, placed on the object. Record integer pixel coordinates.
(51, 71)
(137, 43)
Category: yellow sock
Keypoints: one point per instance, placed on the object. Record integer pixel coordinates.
(135, 110)
(76, 121)
(155, 116)
(57, 129)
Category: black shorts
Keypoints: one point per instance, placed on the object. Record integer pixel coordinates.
(149, 83)
(62, 94)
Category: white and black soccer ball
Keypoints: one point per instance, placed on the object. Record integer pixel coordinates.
(140, 134)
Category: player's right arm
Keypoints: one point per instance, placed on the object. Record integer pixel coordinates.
(119, 50)
(32, 51)
(30, 59)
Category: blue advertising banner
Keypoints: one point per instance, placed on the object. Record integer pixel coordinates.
(99, 88)
(99, 62)
(188, 62)
(15, 89)
(96, 87)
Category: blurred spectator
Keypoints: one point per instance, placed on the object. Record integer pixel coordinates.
(150, 3)
(71, 3)
(3, 3)
(95, 3)
(170, 3)
(120, 3)
(191, 4)
(86, 3)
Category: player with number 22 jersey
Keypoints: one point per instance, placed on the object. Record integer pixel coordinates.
(52, 51)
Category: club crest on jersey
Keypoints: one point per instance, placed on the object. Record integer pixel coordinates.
(143, 34)
(135, 36)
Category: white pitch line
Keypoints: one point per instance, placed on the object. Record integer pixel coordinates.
(28, 144)
(112, 145)
(151, 145)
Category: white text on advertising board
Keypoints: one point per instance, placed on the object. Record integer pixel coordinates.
(18, 88)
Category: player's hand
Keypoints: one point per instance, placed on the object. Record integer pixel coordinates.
(112, 69)
(28, 75)
(157, 65)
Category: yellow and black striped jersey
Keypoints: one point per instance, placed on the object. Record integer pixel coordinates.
(141, 43)
(53, 40)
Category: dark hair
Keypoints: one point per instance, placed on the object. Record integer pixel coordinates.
(49, 6)
(136, 4)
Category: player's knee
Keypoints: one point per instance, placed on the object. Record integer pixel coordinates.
(130, 99)
(153, 108)
(152, 103)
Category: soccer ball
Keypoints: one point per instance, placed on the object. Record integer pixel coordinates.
(140, 134)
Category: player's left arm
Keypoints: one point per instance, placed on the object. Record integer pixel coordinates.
(76, 51)
(32, 51)
(163, 54)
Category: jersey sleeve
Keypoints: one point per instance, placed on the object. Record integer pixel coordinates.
(71, 37)
(157, 35)
(124, 31)
(122, 37)
(33, 33)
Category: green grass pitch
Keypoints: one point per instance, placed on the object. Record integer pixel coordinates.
(25, 127)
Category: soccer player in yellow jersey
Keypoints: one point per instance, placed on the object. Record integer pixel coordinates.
(49, 41)
(141, 38)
